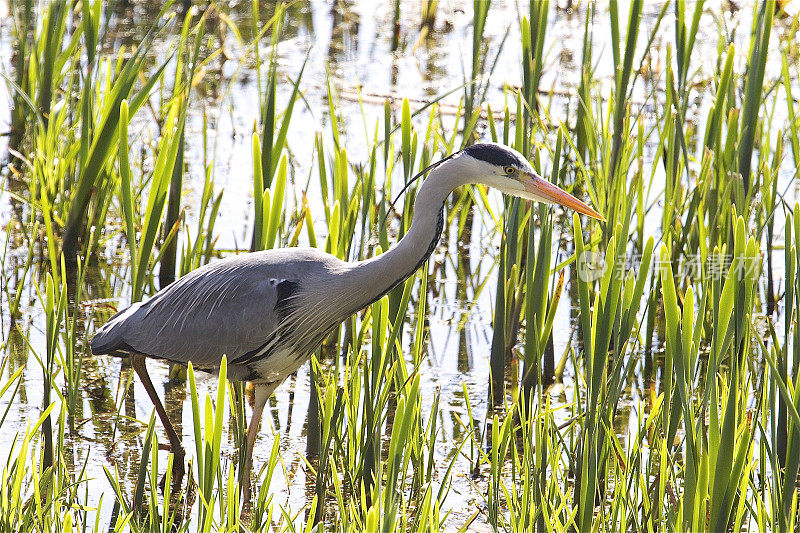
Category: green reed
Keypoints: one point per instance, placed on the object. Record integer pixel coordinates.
(428, 15)
(142, 244)
(100, 136)
(186, 63)
(533, 32)
(754, 87)
(21, 100)
(622, 71)
(197, 250)
(481, 68)
(273, 136)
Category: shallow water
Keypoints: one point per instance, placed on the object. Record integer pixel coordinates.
(351, 40)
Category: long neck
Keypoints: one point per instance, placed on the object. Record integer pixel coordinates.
(371, 279)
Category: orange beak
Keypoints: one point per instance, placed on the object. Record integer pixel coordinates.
(541, 190)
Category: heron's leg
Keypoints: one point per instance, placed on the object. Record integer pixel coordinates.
(176, 447)
(262, 394)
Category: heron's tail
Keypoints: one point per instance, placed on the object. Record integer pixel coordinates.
(111, 337)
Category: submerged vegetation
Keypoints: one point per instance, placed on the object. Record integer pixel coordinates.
(640, 374)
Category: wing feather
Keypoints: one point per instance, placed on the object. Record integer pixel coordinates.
(229, 307)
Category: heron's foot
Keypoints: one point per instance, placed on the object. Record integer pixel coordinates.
(178, 471)
(247, 494)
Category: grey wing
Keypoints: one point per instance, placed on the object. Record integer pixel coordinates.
(231, 308)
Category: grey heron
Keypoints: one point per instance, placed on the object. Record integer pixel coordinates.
(268, 311)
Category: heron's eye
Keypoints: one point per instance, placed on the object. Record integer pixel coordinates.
(510, 170)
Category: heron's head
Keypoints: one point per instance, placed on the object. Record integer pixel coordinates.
(507, 170)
